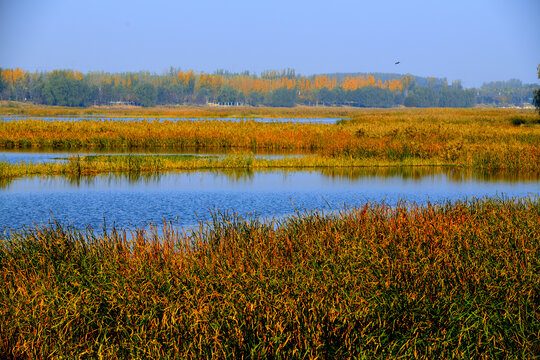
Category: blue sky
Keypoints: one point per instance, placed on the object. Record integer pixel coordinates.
(470, 40)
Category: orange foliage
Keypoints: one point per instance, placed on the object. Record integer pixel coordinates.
(250, 83)
(353, 83)
(244, 83)
(12, 76)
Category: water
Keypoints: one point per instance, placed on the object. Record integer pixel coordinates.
(188, 197)
(109, 118)
(17, 156)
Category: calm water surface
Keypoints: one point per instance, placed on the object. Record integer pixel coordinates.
(41, 157)
(188, 197)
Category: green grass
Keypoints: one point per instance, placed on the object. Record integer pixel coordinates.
(457, 280)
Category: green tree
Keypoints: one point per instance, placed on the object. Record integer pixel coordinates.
(64, 89)
(227, 95)
(371, 96)
(456, 98)
(314, 95)
(170, 94)
(1, 82)
(201, 96)
(338, 95)
(146, 94)
(35, 88)
(255, 98)
(241, 97)
(536, 93)
(282, 97)
(422, 97)
(325, 96)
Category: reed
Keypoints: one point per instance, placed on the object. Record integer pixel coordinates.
(454, 280)
(479, 138)
(156, 164)
(77, 166)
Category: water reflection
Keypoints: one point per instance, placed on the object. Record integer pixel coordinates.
(135, 200)
(244, 176)
(455, 174)
(50, 156)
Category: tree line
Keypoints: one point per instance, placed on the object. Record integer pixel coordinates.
(504, 93)
(270, 88)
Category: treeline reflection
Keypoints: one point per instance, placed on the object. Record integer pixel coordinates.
(247, 176)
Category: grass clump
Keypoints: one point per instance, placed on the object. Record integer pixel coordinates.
(457, 280)
(521, 120)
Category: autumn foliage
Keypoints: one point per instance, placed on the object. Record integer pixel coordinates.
(177, 86)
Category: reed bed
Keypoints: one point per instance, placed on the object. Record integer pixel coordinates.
(155, 164)
(479, 138)
(179, 111)
(454, 280)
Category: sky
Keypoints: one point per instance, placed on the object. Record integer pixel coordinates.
(474, 41)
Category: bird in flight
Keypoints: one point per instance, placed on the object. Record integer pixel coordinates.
(397, 62)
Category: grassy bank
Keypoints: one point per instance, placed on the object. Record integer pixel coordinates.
(458, 280)
(151, 164)
(157, 164)
(478, 138)
(176, 111)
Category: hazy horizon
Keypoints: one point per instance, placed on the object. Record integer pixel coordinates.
(474, 42)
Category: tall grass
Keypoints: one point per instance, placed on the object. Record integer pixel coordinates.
(350, 167)
(145, 164)
(478, 138)
(457, 280)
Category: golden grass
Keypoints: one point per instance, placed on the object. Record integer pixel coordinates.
(145, 164)
(457, 280)
(149, 165)
(479, 138)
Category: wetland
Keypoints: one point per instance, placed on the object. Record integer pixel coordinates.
(382, 234)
